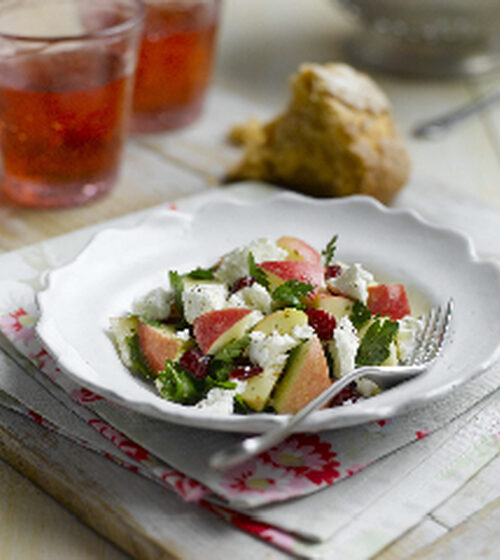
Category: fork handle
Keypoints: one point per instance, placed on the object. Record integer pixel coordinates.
(248, 448)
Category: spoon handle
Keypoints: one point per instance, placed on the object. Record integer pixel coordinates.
(436, 127)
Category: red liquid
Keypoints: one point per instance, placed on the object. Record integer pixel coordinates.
(61, 127)
(174, 66)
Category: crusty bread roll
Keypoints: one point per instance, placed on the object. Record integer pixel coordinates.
(337, 137)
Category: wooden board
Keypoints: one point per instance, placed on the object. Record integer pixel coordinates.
(148, 522)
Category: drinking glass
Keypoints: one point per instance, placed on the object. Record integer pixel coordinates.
(66, 81)
(175, 63)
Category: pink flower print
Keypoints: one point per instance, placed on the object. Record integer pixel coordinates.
(306, 456)
(422, 433)
(18, 326)
(83, 396)
(191, 490)
(356, 469)
(254, 527)
(39, 419)
(173, 206)
(128, 446)
(256, 477)
(124, 464)
(42, 358)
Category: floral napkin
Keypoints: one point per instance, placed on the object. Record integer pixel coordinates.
(176, 456)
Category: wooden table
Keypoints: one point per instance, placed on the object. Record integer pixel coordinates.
(261, 43)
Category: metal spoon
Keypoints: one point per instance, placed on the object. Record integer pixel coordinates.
(438, 126)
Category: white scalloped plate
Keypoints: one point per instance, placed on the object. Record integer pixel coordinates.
(121, 264)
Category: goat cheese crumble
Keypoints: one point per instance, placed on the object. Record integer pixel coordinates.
(353, 281)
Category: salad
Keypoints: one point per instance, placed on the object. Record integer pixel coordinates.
(266, 329)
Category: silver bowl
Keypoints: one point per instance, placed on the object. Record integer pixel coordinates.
(439, 38)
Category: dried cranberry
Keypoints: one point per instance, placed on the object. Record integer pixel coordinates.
(349, 393)
(245, 372)
(322, 322)
(243, 282)
(195, 362)
(333, 271)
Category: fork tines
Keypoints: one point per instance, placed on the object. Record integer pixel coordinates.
(433, 334)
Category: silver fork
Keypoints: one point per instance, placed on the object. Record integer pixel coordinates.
(426, 350)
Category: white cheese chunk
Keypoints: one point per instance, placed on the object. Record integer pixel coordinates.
(366, 387)
(183, 335)
(270, 352)
(407, 335)
(235, 264)
(353, 281)
(302, 332)
(219, 400)
(252, 297)
(201, 298)
(343, 347)
(155, 305)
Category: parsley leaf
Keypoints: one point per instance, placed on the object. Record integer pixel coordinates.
(291, 293)
(256, 272)
(220, 370)
(374, 347)
(178, 385)
(329, 251)
(201, 274)
(360, 314)
(233, 349)
(223, 362)
(177, 285)
(240, 406)
(210, 382)
(137, 357)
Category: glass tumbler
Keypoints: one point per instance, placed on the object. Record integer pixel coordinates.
(175, 63)
(66, 81)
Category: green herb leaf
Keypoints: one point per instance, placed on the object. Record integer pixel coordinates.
(374, 347)
(177, 285)
(329, 251)
(220, 370)
(233, 349)
(178, 385)
(223, 362)
(240, 406)
(201, 274)
(291, 293)
(256, 272)
(360, 314)
(137, 357)
(210, 382)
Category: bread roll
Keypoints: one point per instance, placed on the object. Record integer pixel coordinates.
(337, 137)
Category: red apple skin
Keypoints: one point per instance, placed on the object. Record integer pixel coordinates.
(279, 272)
(298, 250)
(158, 344)
(210, 326)
(304, 380)
(388, 300)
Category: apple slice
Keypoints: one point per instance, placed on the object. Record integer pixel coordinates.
(159, 342)
(283, 321)
(213, 330)
(298, 250)
(338, 306)
(388, 300)
(306, 376)
(259, 388)
(278, 272)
